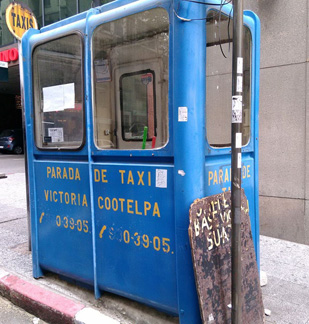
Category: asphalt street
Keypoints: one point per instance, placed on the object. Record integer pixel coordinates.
(11, 314)
(10, 164)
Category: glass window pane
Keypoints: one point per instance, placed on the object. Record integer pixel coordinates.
(5, 35)
(130, 70)
(58, 10)
(84, 5)
(137, 105)
(219, 81)
(36, 8)
(58, 94)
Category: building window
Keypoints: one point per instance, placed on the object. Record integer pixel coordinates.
(55, 10)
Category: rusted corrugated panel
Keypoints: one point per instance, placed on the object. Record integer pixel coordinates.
(210, 238)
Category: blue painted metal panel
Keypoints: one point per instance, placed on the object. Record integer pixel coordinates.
(189, 145)
(64, 226)
(134, 219)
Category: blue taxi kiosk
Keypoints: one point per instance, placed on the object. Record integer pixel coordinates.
(128, 113)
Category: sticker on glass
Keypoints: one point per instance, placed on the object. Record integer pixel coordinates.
(236, 109)
(182, 114)
(102, 70)
(161, 178)
(56, 134)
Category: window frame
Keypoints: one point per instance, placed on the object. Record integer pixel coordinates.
(139, 72)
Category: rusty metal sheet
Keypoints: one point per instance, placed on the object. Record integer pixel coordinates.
(210, 239)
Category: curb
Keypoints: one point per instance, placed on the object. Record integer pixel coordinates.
(46, 304)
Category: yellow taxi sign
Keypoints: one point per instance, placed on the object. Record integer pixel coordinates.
(19, 18)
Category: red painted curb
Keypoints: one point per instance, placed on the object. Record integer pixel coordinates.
(43, 303)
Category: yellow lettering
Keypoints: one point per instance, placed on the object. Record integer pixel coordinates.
(77, 176)
(156, 210)
(96, 175)
(129, 206)
(107, 203)
(64, 175)
(220, 176)
(130, 178)
(85, 201)
(121, 203)
(140, 175)
(226, 177)
(46, 194)
(54, 196)
(100, 199)
(147, 207)
(104, 176)
(115, 204)
(136, 209)
(73, 198)
(248, 174)
(58, 173)
(215, 177)
(71, 173)
(122, 172)
(48, 170)
(53, 173)
(210, 177)
(149, 178)
(67, 198)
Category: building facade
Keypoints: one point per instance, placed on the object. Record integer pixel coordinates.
(284, 123)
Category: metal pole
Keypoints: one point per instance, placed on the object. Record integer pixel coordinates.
(237, 90)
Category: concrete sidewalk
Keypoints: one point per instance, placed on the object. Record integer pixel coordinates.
(286, 295)
(287, 292)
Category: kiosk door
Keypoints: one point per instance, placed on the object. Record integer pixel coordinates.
(133, 191)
